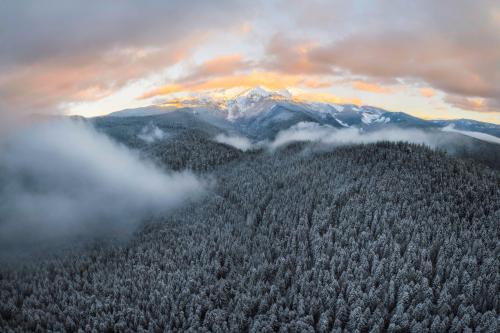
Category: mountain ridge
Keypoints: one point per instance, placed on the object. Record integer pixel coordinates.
(256, 104)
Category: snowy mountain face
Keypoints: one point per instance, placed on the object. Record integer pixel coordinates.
(254, 101)
(258, 100)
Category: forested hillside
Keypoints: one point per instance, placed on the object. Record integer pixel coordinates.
(368, 238)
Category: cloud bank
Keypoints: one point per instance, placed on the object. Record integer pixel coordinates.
(238, 142)
(151, 133)
(314, 132)
(62, 179)
(472, 134)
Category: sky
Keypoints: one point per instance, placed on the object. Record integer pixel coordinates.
(432, 59)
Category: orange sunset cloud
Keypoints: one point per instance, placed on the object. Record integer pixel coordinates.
(271, 80)
(325, 98)
(299, 46)
(370, 87)
(427, 92)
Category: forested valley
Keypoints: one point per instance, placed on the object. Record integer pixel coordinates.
(384, 237)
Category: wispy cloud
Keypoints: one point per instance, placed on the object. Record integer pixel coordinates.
(151, 133)
(313, 132)
(63, 179)
(324, 134)
(478, 104)
(427, 92)
(240, 142)
(477, 135)
(325, 97)
(371, 87)
(271, 80)
(55, 52)
(222, 65)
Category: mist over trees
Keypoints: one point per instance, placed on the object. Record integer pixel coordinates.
(384, 237)
(61, 181)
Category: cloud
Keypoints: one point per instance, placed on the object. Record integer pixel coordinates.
(65, 52)
(291, 56)
(55, 53)
(313, 132)
(151, 133)
(271, 80)
(245, 28)
(164, 90)
(218, 66)
(236, 141)
(63, 180)
(445, 65)
(477, 104)
(40, 87)
(34, 32)
(457, 67)
(325, 97)
(430, 44)
(477, 135)
(427, 92)
(371, 87)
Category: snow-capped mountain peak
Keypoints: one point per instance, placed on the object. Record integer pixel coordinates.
(258, 99)
(258, 92)
(254, 100)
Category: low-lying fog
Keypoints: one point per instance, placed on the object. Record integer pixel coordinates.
(62, 178)
(313, 132)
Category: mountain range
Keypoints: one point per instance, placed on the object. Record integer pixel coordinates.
(256, 117)
(260, 114)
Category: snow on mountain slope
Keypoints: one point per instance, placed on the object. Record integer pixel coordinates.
(341, 122)
(324, 107)
(253, 101)
(368, 118)
(476, 135)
